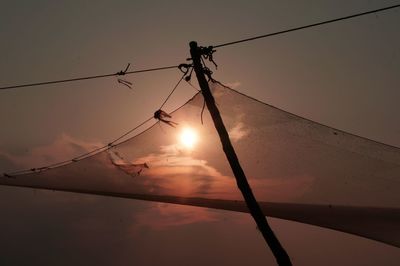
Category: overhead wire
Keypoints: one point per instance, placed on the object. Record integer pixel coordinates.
(120, 73)
(172, 91)
(215, 46)
(307, 26)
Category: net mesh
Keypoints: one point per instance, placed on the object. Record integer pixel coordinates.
(298, 169)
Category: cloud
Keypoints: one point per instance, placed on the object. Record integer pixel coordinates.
(175, 172)
(238, 132)
(233, 85)
(64, 147)
(162, 216)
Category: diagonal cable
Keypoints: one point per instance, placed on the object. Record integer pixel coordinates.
(307, 26)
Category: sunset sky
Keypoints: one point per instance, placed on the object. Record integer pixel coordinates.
(344, 75)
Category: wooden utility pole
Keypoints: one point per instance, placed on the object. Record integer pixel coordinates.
(279, 252)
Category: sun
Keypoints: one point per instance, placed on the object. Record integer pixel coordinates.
(188, 137)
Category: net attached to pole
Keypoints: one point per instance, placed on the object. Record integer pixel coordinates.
(299, 170)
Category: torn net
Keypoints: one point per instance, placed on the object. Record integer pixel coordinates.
(298, 169)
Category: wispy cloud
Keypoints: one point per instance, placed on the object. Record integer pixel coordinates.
(174, 172)
(162, 216)
(64, 147)
(233, 85)
(238, 132)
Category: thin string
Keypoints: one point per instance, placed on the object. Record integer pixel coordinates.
(172, 91)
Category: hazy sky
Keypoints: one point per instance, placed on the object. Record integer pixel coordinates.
(344, 75)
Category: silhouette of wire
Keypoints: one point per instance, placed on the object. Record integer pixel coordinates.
(130, 131)
(172, 91)
(87, 78)
(191, 85)
(306, 26)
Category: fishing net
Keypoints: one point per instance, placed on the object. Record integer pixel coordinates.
(298, 169)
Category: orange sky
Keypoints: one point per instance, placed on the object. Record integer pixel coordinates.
(344, 75)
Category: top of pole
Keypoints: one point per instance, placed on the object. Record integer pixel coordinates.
(193, 44)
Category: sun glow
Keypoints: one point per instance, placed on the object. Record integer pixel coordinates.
(188, 138)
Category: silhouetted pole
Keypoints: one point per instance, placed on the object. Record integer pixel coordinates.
(279, 252)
